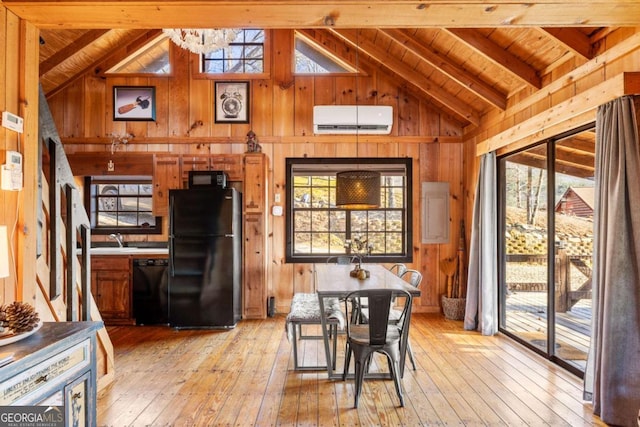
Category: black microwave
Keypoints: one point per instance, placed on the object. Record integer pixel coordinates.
(199, 179)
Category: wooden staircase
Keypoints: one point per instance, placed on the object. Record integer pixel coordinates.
(63, 264)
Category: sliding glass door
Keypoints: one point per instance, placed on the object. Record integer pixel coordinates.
(546, 221)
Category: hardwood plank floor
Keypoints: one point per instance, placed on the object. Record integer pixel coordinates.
(245, 377)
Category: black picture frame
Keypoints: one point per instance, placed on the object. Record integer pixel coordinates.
(232, 102)
(134, 103)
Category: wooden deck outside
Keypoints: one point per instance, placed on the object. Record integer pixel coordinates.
(245, 377)
(527, 318)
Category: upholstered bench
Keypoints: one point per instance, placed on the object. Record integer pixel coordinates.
(305, 310)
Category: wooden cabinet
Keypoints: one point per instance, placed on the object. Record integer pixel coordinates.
(111, 288)
(54, 367)
(255, 235)
(231, 164)
(255, 183)
(255, 280)
(166, 176)
(192, 163)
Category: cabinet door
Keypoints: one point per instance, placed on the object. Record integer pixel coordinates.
(231, 164)
(79, 408)
(111, 287)
(166, 176)
(192, 163)
(112, 294)
(254, 290)
(255, 185)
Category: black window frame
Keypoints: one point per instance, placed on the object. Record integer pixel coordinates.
(92, 200)
(332, 165)
(243, 59)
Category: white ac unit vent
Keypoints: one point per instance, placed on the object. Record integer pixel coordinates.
(352, 119)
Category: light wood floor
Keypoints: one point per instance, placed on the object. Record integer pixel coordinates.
(244, 377)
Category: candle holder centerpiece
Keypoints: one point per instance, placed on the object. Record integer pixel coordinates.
(361, 248)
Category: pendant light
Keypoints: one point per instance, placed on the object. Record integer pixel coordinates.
(358, 189)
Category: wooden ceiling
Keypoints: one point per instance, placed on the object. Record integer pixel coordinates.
(464, 57)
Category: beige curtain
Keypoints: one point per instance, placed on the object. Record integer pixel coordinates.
(612, 376)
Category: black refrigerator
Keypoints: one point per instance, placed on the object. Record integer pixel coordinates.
(205, 251)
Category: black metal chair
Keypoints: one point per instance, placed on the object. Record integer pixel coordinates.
(375, 336)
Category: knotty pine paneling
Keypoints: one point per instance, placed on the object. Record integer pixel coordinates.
(281, 107)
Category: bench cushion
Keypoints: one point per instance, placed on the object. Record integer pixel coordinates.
(305, 309)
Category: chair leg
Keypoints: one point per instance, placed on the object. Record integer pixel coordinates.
(361, 358)
(347, 361)
(395, 373)
(410, 353)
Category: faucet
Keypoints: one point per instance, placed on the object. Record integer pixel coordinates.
(118, 238)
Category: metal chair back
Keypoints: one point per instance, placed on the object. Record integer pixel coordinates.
(398, 269)
(414, 277)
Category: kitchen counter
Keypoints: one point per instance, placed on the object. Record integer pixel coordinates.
(129, 251)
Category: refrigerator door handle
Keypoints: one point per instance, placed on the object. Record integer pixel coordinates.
(171, 252)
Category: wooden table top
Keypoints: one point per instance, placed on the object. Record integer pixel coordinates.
(334, 280)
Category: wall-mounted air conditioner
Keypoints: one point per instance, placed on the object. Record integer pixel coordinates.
(352, 119)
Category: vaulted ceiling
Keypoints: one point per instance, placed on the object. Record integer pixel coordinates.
(464, 57)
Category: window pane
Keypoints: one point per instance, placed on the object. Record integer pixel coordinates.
(302, 197)
(302, 221)
(320, 221)
(358, 221)
(302, 243)
(320, 243)
(129, 203)
(338, 221)
(320, 197)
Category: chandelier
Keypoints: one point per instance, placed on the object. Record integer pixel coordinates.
(201, 40)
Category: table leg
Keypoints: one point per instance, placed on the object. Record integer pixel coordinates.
(331, 363)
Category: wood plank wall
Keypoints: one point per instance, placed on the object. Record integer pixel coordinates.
(281, 116)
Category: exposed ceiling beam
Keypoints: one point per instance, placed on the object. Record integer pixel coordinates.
(454, 105)
(137, 39)
(70, 50)
(448, 67)
(566, 167)
(572, 39)
(498, 55)
(71, 14)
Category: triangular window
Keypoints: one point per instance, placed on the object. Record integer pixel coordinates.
(152, 58)
(312, 58)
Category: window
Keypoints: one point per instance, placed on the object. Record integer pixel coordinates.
(310, 58)
(546, 219)
(245, 55)
(317, 229)
(122, 204)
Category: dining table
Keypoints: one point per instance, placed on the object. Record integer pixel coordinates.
(335, 281)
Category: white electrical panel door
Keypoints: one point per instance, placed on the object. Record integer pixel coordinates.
(435, 212)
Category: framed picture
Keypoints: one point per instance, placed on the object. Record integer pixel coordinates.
(232, 102)
(134, 103)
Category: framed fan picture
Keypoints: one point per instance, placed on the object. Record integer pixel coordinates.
(134, 103)
(232, 102)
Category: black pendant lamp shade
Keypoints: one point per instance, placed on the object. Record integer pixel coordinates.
(358, 189)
